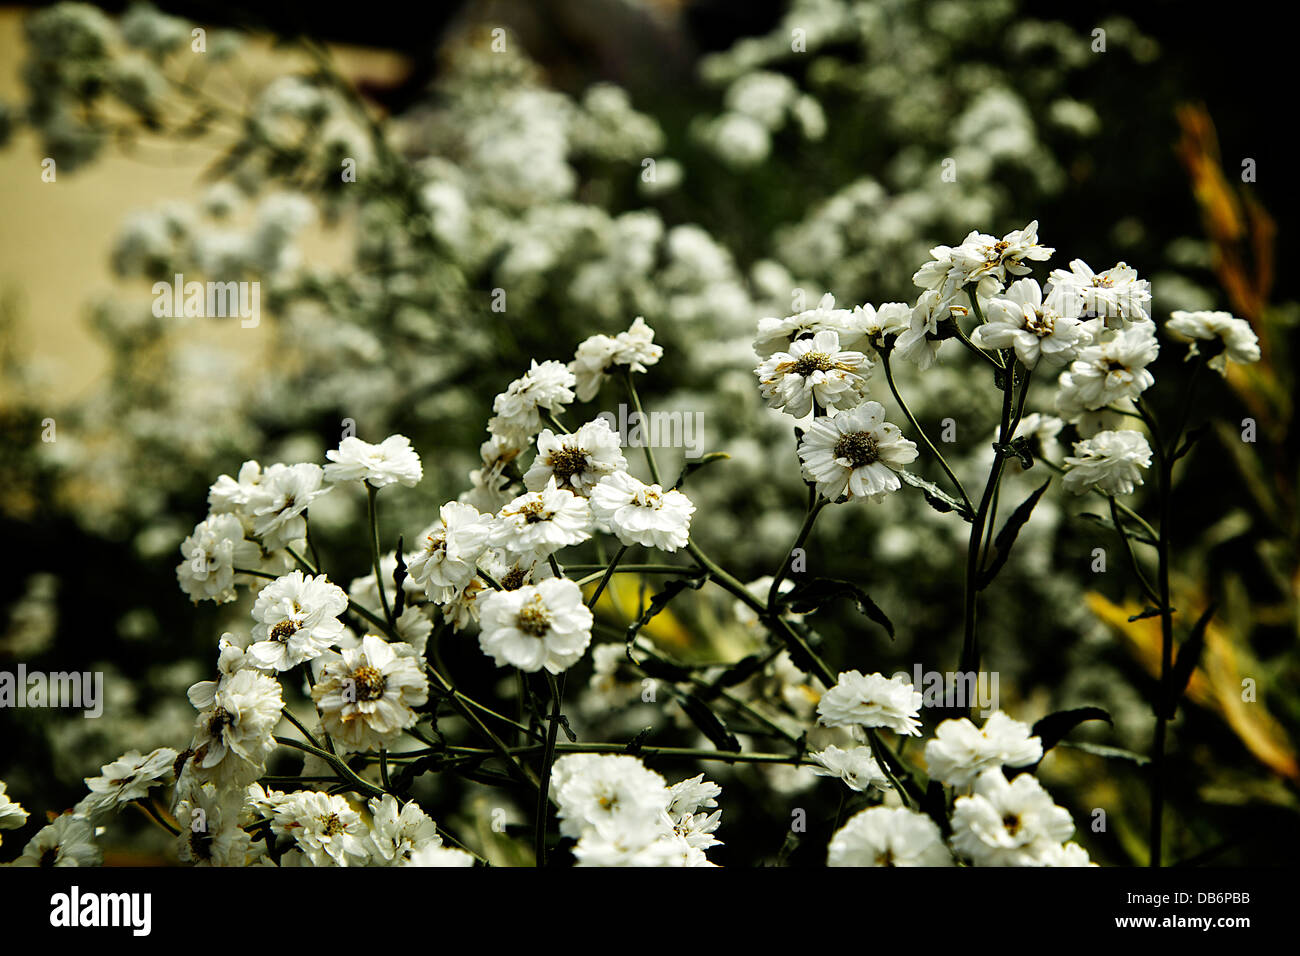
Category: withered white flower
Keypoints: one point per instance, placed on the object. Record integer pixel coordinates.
(129, 777)
(365, 694)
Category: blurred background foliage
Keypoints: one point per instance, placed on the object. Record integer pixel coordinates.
(777, 173)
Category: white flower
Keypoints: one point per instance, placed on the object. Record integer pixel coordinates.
(814, 371)
(1238, 340)
(12, 814)
(1110, 371)
(613, 794)
(1042, 429)
(777, 335)
(871, 701)
(1020, 320)
(873, 324)
(235, 495)
(1069, 854)
(636, 348)
(855, 766)
(129, 777)
(281, 496)
(981, 258)
(392, 461)
(1008, 823)
(209, 823)
(233, 732)
(547, 386)
(297, 619)
(920, 342)
(539, 523)
(68, 841)
(325, 827)
(1117, 294)
(578, 460)
(888, 836)
(366, 694)
(538, 625)
(400, 832)
(492, 488)
(591, 363)
(642, 514)
(855, 453)
(1112, 460)
(960, 752)
(434, 855)
(209, 556)
(448, 559)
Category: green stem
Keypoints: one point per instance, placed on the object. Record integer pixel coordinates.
(952, 475)
(609, 571)
(636, 405)
(371, 492)
(548, 758)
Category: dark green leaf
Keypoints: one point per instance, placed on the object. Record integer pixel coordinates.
(1136, 534)
(691, 467)
(709, 723)
(1007, 536)
(1189, 655)
(660, 601)
(811, 595)
(1053, 728)
(1147, 612)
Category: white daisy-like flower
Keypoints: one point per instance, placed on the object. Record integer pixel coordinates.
(1233, 338)
(648, 846)
(1116, 295)
(960, 751)
(777, 335)
(1069, 854)
(325, 827)
(398, 832)
(68, 841)
(989, 262)
(129, 777)
(610, 793)
(576, 461)
(919, 343)
(434, 855)
(12, 814)
(281, 496)
(873, 323)
(591, 364)
(297, 619)
(233, 733)
(859, 700)
(1111, 460)
(856, 766)
(1041, 430)
(548, 386)
(365, 694)
(888, 836)
(856, 453)
(814, 370)
(235, 495)
(392, 461)
(209, 556)
(448, 556)
(491, 487)
(1108, 372)
(539, 523)
(687, 801)
(210, 835)
(539, 625)
(1008, 823)
(635, 348)
(1018, 319)
(643, 514)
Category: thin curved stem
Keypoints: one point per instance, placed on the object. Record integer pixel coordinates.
(943, 463)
